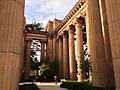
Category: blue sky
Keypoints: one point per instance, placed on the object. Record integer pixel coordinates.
(44, 10)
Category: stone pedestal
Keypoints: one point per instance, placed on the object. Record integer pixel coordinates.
(72, 61)
(97, 47)
(111, 79)
(42, 52)
(60, 57)
(65, 56)
(27, 63)
(113, 17)
(79, 46)
(11, 33)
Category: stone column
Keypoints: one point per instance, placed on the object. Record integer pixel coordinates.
(79, 46)
(72, 61)
(97, 46)
(50, 48)
(47, 51)
(54, 47)
(113, 17)
(60, 57)
(42, 52)
(88, 41)
(104, 21)
(65, 56)
(27, 63)
(22, 60)
(11, 32)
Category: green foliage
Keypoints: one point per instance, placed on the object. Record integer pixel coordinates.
(74, 85)
(43, 69)
(34, 26)
(28, 87)
(48, 70)
(86, 66)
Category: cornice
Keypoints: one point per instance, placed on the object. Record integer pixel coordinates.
(36, 32)
(77, 6)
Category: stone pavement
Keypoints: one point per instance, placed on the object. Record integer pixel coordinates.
(50, 86)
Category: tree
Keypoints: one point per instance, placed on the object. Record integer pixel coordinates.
(34, 26)
(48, 70)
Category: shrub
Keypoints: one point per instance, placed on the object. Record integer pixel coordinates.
(74, 85)
(28, 87)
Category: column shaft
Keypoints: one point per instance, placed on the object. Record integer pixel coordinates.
(104, 21)
(11, 32)
(113, 17)
(27, 63)
(42, 52)
(88, 41)
(54, 47)
(65, 56)
(72, 62)
(98, 55)
(50, 48)
(60, 57)
(80, 50)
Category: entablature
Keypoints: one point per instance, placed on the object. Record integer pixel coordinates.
(79, 10)
(36, 35)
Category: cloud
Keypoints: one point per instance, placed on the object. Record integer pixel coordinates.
(44, 10)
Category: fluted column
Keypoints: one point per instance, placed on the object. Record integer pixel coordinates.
(54, 47)
(11, 32)
(50, 48)
(27, 63)
(88, 41)
(22, 60)
(65, 56)
(79, 46)
(72, 62)
(104, 21)
(113, 17)
(97, 48)
(42, 52)
(60, 57)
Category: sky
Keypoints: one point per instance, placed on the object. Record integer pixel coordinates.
(41, 11)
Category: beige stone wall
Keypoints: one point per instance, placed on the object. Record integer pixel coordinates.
(11, 32)
(113, 17)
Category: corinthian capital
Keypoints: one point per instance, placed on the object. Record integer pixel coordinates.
(79, 20)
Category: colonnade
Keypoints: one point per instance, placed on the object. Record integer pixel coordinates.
(103, 40)
(69, 67)
(27, 52)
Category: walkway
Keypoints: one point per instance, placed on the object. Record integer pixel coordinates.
(50, 86)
